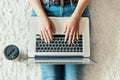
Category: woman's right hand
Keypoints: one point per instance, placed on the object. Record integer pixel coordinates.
(47, 29)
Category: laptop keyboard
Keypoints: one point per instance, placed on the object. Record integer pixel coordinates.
(58, 45)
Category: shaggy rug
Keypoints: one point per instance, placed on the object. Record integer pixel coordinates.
(105, 40)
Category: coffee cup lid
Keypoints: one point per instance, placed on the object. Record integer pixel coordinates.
(11, 52)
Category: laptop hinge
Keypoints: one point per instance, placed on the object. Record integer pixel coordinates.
(58, 57)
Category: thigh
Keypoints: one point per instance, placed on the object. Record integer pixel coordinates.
(68, 10)
(49, 10)
(51, 72)
(52, 10)
(73, 72)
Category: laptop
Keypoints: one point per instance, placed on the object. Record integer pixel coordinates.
(58, 51)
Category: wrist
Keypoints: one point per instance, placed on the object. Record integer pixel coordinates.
(43, 17)
(76, 18)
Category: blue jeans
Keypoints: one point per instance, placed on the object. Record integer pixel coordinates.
(58, 11)
(67, 71)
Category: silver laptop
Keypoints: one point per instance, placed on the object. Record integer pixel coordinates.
(58, 51)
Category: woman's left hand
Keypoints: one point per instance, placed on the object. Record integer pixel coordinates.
(72, 30)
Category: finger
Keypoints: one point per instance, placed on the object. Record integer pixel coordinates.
(65, 29)
(53, 28)
(47, 36)
(41, 35)
(77, 34)
(66, 35)
(70, 37)
(50, 34)
(73, 38)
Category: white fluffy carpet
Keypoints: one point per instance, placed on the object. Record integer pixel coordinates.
(105, 40)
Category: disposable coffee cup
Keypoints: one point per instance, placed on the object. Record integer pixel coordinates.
(11, 52)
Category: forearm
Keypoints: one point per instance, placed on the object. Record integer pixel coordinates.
(82, 4)
(37, 6)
